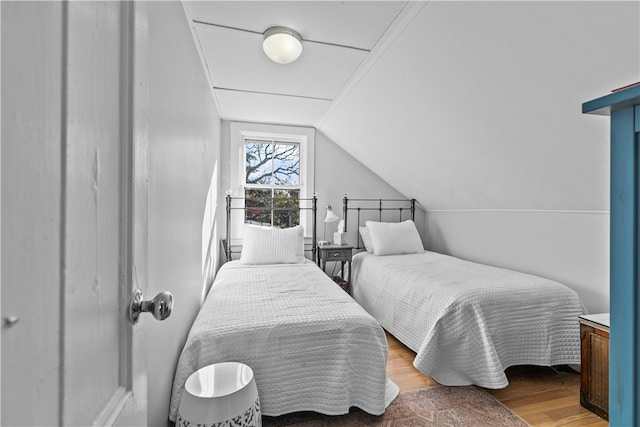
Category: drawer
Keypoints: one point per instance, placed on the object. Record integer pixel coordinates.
(336, 254)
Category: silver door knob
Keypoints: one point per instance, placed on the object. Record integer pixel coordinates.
(160, 307)
(9, 321)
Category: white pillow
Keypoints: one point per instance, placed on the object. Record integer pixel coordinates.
(366, 239)
(397, 238)
(271, 245)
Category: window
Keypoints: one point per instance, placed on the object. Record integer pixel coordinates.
(272, 168)
(272, 182)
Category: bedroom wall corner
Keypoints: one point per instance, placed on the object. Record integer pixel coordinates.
(184, 151)
(571, 247)
(337, 173)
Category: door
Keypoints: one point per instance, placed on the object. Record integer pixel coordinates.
(74, 212)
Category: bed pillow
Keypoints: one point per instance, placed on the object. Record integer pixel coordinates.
(366, 239)
(388, 238)
(272, 245)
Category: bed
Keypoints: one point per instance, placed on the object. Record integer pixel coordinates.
(311, 347)
(467, 322)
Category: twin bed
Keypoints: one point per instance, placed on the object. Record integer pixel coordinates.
(467, 322)
(313, 347)
(310, 345)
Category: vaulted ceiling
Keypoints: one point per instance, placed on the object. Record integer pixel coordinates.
(462, 105)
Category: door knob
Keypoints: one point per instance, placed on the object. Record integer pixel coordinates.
(160, 307)
(9, 321)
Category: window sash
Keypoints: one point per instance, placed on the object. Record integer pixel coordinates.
(273, 143)
(281, 212)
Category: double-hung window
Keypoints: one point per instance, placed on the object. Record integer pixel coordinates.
(272, 182)
(272, 168)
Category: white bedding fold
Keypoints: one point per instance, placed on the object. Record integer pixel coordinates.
(311, 347)
(468, 322)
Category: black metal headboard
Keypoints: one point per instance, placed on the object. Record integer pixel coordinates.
(303, 205)
(361, 206)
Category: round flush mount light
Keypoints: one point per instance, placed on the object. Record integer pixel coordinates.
(282, 45)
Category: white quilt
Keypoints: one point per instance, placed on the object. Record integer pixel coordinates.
(468, 322)
(311, 347)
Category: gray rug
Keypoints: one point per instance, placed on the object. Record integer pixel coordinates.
(430, 406)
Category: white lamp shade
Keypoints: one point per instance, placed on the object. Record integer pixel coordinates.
(330, 217)
(219, 393)
(282, 45)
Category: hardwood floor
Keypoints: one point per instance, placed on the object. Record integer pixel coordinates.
(539, 395)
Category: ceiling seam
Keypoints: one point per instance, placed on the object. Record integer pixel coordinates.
(271, 93)
(303, 39)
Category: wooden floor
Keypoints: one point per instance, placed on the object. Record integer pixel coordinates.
(541, 396)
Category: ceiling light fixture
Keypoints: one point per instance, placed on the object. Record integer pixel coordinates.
(282, 45)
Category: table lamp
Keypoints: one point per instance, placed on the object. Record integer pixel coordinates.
(329, 217)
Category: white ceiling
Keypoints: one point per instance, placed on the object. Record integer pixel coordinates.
(338, 38)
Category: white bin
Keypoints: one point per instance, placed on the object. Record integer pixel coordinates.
(220, 395)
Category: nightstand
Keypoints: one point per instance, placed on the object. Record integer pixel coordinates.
(337, 253)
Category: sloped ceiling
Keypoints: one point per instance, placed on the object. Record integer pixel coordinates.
(478, 105)
(462, 105)
(337, 38)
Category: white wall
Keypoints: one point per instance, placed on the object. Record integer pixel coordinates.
(570, 247)
(475, 110)
(184, 144)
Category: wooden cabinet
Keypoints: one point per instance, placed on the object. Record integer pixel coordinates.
(594, 370)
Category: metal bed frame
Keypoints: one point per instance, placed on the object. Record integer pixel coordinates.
(228, 249)
(375, 205)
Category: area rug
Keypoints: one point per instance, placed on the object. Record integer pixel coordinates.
(431, 406)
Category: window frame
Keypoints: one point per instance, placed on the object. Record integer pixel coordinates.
(304, 136)
(274, 187)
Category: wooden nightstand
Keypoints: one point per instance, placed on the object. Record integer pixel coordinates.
(337, 253)
(594, 367)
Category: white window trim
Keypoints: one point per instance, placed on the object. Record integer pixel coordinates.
(302, 135)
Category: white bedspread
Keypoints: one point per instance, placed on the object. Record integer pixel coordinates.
(311, 347)
(468, 322)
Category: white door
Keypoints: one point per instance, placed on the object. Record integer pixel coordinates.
(74, 212)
